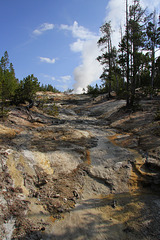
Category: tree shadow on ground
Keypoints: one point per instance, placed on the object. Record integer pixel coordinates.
(138, 223)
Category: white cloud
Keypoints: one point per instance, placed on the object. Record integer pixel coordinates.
(78, 31)
(48, 76)
(47, 60)
(66, 78)
(62, 79)
(42, 28)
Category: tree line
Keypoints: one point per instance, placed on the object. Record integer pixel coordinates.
(13, 91)
(134, 64)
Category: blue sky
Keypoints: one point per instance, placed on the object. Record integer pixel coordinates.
(56, 40)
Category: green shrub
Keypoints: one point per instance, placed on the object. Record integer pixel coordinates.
(53, 111)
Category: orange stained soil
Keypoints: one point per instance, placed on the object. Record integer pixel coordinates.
(137, 175)
(88, 157)
(122, 142)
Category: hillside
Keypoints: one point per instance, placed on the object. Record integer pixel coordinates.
(74, 167)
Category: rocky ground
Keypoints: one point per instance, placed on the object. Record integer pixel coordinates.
(74, 167)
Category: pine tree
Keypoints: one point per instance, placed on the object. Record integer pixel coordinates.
(8, 82)
(27, 89)
(152, 43)
(107, 59)
(131, 47)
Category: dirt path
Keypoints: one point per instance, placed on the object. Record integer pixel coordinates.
(98, 219)
(78, 154)
(102, 213)
(110, 208)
